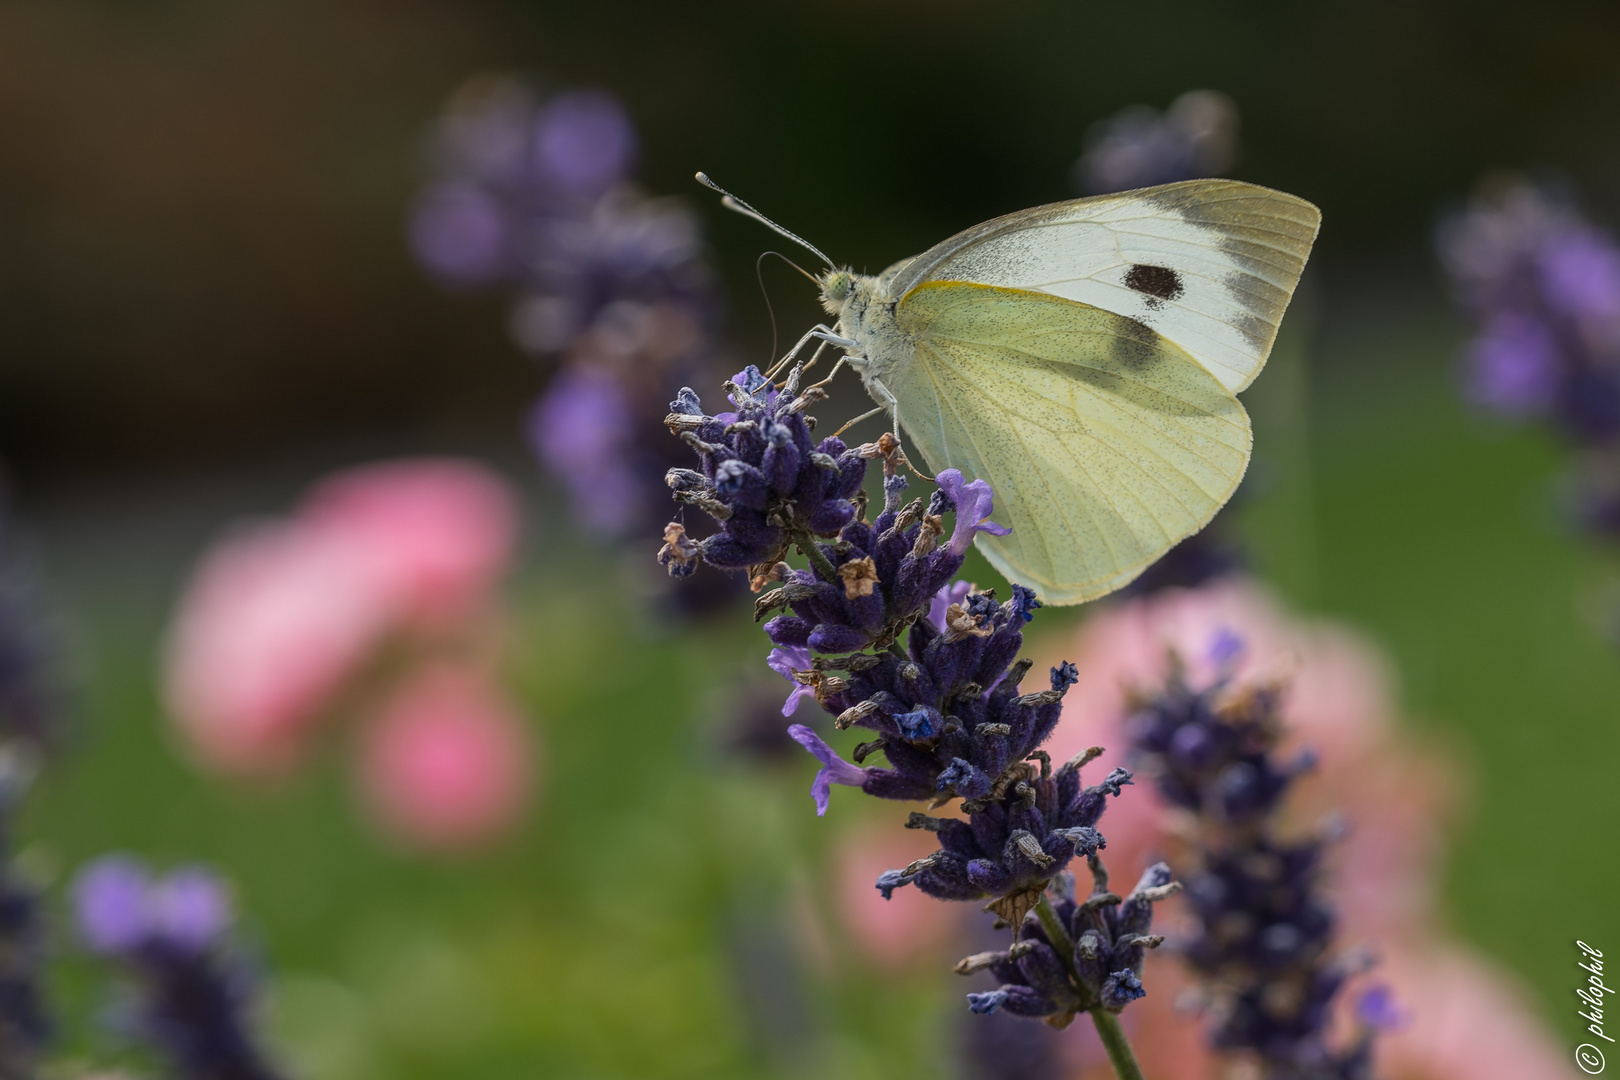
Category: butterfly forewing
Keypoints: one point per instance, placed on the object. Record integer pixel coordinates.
(1106, 443)
(1208, 264)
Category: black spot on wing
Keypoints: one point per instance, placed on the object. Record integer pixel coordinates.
(1157, 283)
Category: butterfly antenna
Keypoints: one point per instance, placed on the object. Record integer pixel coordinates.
(759, 275)
(731, 202)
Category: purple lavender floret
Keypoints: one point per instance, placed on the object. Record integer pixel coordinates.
(192, 991)
(1262, 927)
(770, 485)
(1107, 941)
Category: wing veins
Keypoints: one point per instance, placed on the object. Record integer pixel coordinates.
(1121, 437)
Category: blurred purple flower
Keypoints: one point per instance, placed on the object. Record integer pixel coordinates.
(582, 430)
(532, 195)
(1214, 754)
(1542, 286)
(192, 992)
(110, 900)
(1580, 273)
(459, 233)
(1139, 146)
(1513, 366)
(487, 131)
(190, 908)
(584, 142)
(121, 908)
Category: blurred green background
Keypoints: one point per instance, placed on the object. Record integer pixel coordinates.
(207, 302)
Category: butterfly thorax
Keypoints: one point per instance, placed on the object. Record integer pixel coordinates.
(865, 315)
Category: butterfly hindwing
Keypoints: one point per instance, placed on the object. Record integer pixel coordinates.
(1106, 442)
(1208, 264)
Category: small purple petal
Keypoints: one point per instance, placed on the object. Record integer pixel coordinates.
(974, 504)
(785, 661)
(110, 900)
(834, 769)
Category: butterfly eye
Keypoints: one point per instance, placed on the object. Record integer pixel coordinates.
(837, 284)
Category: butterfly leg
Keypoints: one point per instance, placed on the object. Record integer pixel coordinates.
(818, 330)
(832, 338)
(886, 399)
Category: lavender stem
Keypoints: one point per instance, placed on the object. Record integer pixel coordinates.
(812, 551)
(1118, 1047)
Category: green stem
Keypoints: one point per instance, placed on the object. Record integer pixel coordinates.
(1108, 1029)
(1118, 1047)
(812, 551)
(1057, 935)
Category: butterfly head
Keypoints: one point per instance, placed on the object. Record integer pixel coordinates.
(836, 287)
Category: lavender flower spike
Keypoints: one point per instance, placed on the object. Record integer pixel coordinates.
(193, 990)
(974, 504)
(834, 769)
(785, 660)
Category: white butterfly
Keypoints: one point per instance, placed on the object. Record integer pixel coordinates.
(1084, 358)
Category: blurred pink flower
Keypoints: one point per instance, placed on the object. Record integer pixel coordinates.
(445, 761)
(1466, 1019)
(439, 531)
(280, 618)
(274, 622)
(910, 928)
